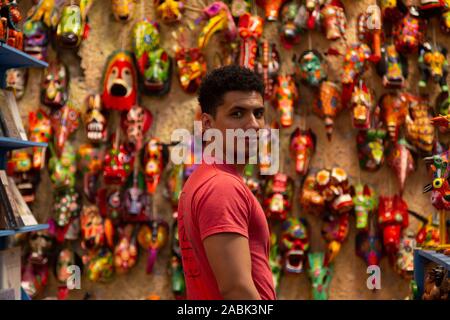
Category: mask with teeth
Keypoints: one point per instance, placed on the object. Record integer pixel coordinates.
(120, 82)
(295, 244)
(95, 120)
(36, 36)
(55, 85)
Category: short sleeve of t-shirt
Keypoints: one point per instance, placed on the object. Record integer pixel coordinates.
(222, 206)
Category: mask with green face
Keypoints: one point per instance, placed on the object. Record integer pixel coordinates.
(320, 275)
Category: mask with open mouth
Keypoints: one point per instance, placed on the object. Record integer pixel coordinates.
(123, 10)
(119, 82)
(55, 85)
(16, 80)
(95, 120)
(36, 38)
(294, 243)
(440, 189)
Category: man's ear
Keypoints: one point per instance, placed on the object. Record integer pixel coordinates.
(207, 121)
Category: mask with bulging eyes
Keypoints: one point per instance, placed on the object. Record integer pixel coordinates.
(36, 36)
(55, 85)
(120, 82)
(95, 120)
(16, 80)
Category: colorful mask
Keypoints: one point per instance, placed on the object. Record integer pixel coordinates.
(310, 68)
(101, 267)
(303, 145)
(419, 129)
(320, 275)
(118, 164)
(175, 183)
(11, 18)
(135, 198)
(335, 188)
(365, 201)
(393, 67)
(311, 199)
(334, 21)
(126, 250)
(20, 164)
(401, 161)
(62, 169)
(271, 8)
(40, 131)
(176, 264)
(362, 102)
(392, 10)
(334, 231)
(64, 123)
(268, 65)
(152, 237)
(95, 120)
(275, 261)
(169, 10)
(120, 82)
(443, 109)
(369, 246)
(66, 206)
(392, 219)
(371, 145)
(41, 244)
(123, 10)
(251, 180)
(405, 256)
(311, 14)
(34, 279)
(66, 257)
(92, 229)
(428, 234)
(286, 95)
(291, 24)
(153, 164)
(72, 27)
(250, 30)
(90, 164)
(219, 18)
(36, 38)
(136, 123)
(394, 109)
(110, 204)
(45, 11)
(433, 64)
(278, 196)
(191, 66)
(55, 85)
(16, 81)
(294, 243)
(440, 190)
(328, 105)
(409, 32)
(369, 32)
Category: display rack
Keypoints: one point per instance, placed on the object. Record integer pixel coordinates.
(13, 58)
(421, 259)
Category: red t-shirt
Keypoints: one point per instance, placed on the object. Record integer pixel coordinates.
(216, 200)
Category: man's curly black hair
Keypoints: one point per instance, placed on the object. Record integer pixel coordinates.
(225, 79)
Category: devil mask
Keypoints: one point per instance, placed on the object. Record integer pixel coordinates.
(36, 36)
(55, 85)
(94, 120)
(136, 123)
(119, 81)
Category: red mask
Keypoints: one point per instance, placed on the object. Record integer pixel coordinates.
(118, 165)
(191, 66)
(278, 199)
(136, 123)
(401, 161)
(303, 144)
(153, 164)
(250, 30)
(64, 123)
(120, 81)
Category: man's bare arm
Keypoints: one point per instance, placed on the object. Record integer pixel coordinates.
(229, 257)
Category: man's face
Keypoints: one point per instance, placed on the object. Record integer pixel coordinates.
(240, 110)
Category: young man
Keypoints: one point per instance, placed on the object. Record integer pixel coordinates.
(223, 232)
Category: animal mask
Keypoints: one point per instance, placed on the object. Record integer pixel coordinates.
(433, 64)
(90, 164)
(72, 27)
(169, 10)
(294, 243)
(153, 164)
(328, 105)
(136, 123)
(100, 267)
(120, 82)
(401, 161)
(92, 229)
(409, 32)
(440, 190)
(393, 67)
(126, 250)
(362, 102)
(291, 26)
(303, 145)
(419, 129)
(118, 164)
(134, 198)
(95, 120)
(55, 85)
(153, 237)
(62, 168)
(123, 10)
(16, 81)
(394, 109)
(334, 231)
(271, 8)
(365, 201)
(371, 145)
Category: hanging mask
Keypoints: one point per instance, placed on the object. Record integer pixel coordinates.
(95, 120)
(295, 244)
(11, 18)
(66, 206)
(153, 164)
(136, 123)
(126, 250)
(123, 10)
(36, 38)
(394, 109)
(275, 261)
(176, 265)
(369, 246)
(271, 8)
(311, 199)
(90, 164)
(419, 129)
(320, 275)
(393, 67)
(303, 145)
(152, 237)
(135, 198)
(400, 159)
(310, 68)
(169, 10)
(362, 103)
(40, 131)
(118, 164)
(440, 189)
(334, 21)
(191, 65)
(369, 31)
(268, 66)
(286, 96)
(101, 267)
(66, 258)
(250, 30)
(72, 26)
(334, 231)
(433, 64)
(278, 197)
(153, 62)
(92, 229)
(392, 219)
(428, 234)
(405, 257)
(371, 146)
(26, 180)
(64, 123)
(365, 201)
(328, 105)
(409, 32)
(109, 201)
(41, 244)
(62, 169)
(119, 82)
(55, 85)
(16, 81)
(291, 24)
